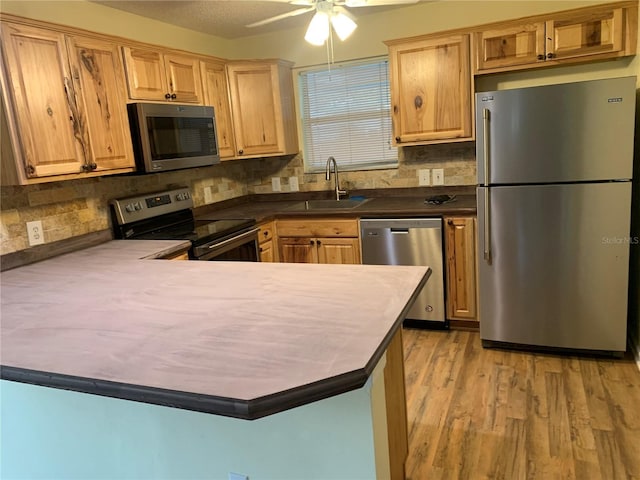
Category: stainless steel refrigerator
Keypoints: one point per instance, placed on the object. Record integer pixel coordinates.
(554, 208)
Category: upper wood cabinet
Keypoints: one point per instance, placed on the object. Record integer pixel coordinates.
(216, 94)
(460, 250)
(579, 35)
(431, 94)
(263, 109)
(65, 106)
(162, 76)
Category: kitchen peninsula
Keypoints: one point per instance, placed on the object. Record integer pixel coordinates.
(308, 353)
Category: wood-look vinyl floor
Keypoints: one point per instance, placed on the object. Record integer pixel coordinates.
(479, 413)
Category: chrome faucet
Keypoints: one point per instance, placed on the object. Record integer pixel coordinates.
(330, 161)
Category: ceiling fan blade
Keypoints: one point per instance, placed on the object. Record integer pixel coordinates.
(376, 3)
(293, 13)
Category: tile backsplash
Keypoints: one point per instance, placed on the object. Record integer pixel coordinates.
(78, 207)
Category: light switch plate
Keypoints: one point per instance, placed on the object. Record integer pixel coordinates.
(275, 184)
(237, 476)
(424, 177)
(438, 176)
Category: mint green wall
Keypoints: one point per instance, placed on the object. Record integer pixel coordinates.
(57, 434)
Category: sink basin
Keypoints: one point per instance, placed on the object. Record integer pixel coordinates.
(328, 204)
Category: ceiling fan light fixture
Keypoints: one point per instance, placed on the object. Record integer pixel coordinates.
(318, 30)
(343, 24)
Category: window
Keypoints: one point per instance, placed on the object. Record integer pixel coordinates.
(346, 114)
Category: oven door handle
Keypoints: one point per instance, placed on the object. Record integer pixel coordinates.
(235, 239)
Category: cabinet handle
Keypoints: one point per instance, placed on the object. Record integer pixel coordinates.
(551, 55)
(449, 222)
(86, 168)
(261, 250)
(319, 243)
(311, 242)
(93, 166)
(31, 170)
(397, 139)
(240, 152)
(167, 96)
(173, 96)
(540, 57)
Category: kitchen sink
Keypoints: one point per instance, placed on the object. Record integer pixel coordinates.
(328, 204)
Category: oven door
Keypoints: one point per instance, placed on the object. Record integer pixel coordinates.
(241, 247)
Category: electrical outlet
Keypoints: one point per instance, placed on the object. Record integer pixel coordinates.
(208, 195)
(275, 184)
(438, 176)
(424, 177)
(293, 184)
(36, 235)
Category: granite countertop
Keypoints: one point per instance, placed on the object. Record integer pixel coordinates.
(264, 208)
(230, 338)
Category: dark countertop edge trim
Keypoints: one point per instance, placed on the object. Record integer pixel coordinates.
(228, 407)
(45, 251)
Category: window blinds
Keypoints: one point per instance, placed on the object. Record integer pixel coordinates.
(346, 114)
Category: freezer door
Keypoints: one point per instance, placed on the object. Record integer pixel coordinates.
(558, 265)
(409, 242)
(559, 133)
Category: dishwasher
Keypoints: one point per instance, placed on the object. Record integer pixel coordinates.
(410, 241)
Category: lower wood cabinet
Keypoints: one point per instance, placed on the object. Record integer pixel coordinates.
(266, 237)
(333, 241)
(460, 251)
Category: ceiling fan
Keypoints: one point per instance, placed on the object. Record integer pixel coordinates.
(329, 13)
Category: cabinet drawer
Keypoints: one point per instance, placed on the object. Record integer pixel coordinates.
(266, 232)
(318, 228)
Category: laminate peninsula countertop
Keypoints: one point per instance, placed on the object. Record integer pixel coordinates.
(236, 339)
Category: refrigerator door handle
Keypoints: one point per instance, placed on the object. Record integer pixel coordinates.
(485, 135)
(487, 227)
(487, 207)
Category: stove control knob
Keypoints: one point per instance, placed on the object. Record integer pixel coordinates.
(137, 206)
(129, 207)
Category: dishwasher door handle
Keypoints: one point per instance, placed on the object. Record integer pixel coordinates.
(398, 231)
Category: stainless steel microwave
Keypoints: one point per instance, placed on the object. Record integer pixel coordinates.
(171, 137)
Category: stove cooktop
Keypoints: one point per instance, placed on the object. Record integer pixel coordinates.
(199, 232)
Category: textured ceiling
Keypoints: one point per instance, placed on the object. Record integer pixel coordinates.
(226, 18)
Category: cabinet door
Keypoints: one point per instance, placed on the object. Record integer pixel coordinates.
(183, 78)
(520, 44)
(431, 89)
(338, 250)
(146, 78)
(297, 250)
(43, 101)
(216, 94)
(98, 76)
(256, 108)
(267, 252)
(461, 268)
(585, 34)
